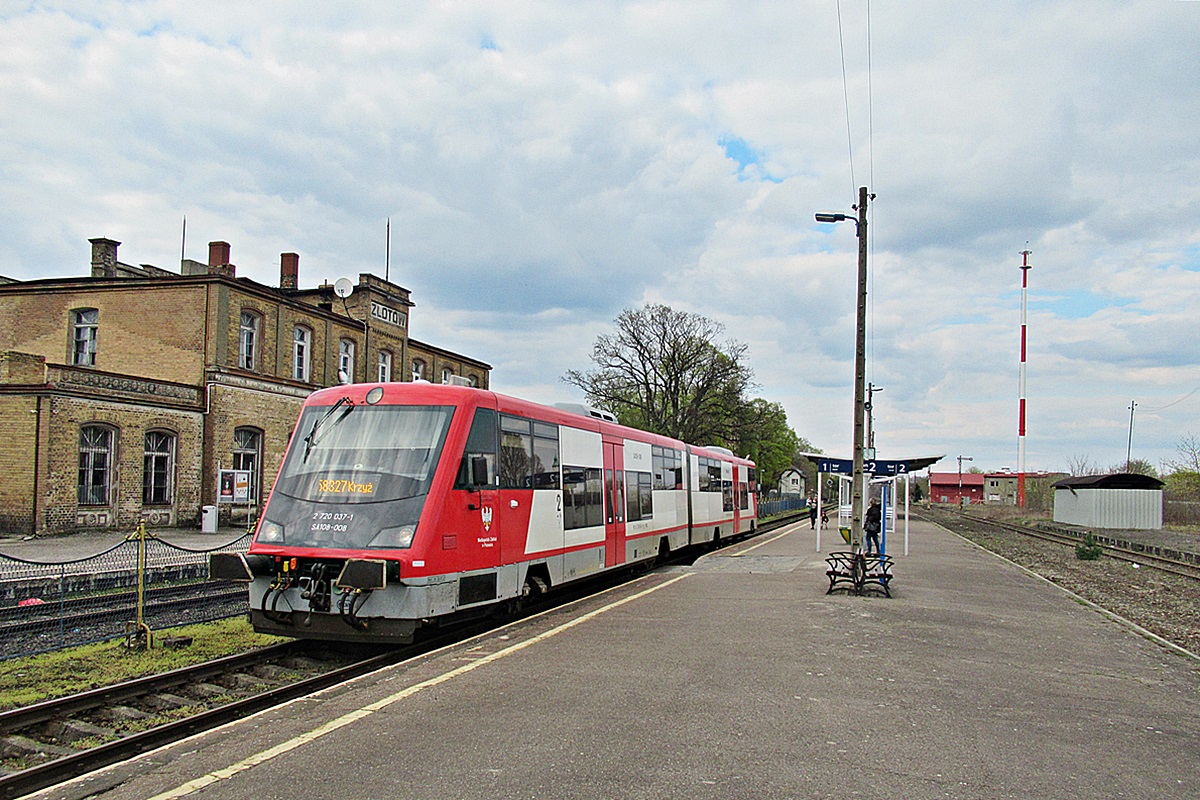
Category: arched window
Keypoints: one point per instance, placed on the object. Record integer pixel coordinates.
(385, 366)
(248, 330)
(158, 474)
(247, 455)
(418, 369)
(96, 443)
(474, 380)
(85, 324)
(301, 353)
(346, 358)
(447, 374)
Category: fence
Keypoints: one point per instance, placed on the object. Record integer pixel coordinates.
(52, 605)
(769, 508)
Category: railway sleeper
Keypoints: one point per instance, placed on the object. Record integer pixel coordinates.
(165, 701)
(16, 747)
(70, 731)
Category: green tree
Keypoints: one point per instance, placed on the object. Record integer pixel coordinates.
(1183, 484)
(1138, 466)
(761, 432)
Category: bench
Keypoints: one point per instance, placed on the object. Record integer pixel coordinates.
(859, 572)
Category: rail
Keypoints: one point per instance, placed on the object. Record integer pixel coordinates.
(1166, 559)
(51, 605)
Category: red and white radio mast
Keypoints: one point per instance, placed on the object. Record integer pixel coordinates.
(1021, 411)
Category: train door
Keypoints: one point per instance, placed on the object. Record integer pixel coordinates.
(738, 496)
(614, 504)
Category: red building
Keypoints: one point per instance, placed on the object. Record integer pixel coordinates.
(955, 488)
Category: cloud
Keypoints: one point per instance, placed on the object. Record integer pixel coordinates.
(544, 165)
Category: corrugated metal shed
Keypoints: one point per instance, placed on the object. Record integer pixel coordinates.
(1121, 501)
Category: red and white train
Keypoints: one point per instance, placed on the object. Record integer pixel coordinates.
(400, 505)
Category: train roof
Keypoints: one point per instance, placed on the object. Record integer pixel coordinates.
(437, 393)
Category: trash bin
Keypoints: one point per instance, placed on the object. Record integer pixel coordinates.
(208, 519)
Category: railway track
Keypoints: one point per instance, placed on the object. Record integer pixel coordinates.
(1112, 548)
(53, 741)
(23, 630)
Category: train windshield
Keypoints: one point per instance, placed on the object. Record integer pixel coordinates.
(364, 454)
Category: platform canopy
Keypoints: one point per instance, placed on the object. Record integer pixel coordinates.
(880, 467)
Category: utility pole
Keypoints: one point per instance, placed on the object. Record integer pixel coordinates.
(858, 483)
(1129, 447)
(860, 375)
(1021, 409)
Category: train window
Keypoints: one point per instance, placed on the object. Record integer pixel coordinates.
(516, 453)
(727, 495)
(743, 497)
(640, 496)
(608, 492)
(583, 501)
(366, 454)
(668, 468)
(545, 456)
(704, 475)
(480, 450)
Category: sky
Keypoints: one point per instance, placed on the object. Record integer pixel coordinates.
(545, 165)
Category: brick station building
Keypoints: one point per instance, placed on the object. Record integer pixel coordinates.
(123, 393)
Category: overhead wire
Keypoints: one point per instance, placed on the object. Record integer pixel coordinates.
(870, 323)
(1173, 402)
(871, 184)
(846, 98)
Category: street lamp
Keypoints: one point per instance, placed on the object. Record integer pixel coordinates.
(860, 360)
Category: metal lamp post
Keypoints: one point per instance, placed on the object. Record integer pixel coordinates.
(858, 493)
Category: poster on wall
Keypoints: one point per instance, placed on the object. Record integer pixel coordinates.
(233, 486)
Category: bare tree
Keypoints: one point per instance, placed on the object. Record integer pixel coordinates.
(1080, 465)
(664, 371)
(1189, 455)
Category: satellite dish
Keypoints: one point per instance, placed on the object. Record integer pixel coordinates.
(342, 287)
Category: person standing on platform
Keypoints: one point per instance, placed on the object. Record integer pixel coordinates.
(812, 512)
(873, 524)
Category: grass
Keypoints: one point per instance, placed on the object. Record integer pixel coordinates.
(24, 681)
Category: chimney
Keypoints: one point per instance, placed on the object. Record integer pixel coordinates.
(104, 257)
(218, 259)
(289, 270)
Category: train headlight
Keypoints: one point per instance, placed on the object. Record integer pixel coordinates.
(399, 538)
(270, 533)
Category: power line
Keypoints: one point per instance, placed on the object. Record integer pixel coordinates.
(1174, 402)
(846, 97)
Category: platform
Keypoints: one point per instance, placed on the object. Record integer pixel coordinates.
(739, 677)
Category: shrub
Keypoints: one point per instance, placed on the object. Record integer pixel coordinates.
(1088, 550)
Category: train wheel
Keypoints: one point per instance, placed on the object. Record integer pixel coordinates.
(664, 551)
(534, 588)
